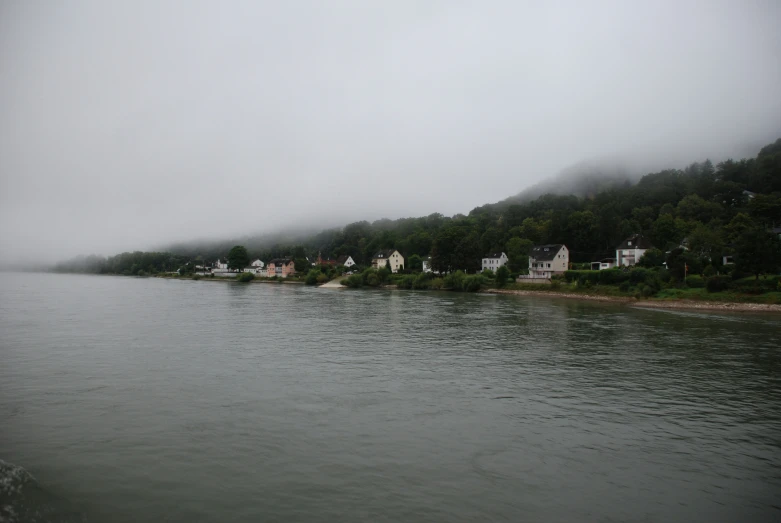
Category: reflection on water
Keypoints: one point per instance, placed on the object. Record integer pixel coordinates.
(142, 399)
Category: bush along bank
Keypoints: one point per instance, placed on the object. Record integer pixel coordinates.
(662, 284)
(636, 283)
(456, 281)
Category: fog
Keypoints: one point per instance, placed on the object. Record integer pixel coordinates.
(126, 125)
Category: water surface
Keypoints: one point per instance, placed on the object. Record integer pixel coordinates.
(128, 399)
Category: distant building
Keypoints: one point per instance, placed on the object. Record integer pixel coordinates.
(221, 264)
(281, 267)
(631, 250)
(607, 263)
(548, 260)
(494, 260)
(346, 261)
(381, 259)
(258, 263)
(427, 265)
(325, 261)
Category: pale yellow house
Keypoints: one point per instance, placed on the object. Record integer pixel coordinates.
(393, 256)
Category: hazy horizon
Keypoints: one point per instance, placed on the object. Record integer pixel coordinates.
(131, 126)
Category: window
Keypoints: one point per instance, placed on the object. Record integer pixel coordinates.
(629, 243)
(549, 265)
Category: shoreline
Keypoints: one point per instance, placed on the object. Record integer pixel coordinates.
(714, 306)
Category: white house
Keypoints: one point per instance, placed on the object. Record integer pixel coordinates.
(548, 260)
(631, 249)
(258, 263)
(382, 258)
(494, 260)
(221, 264)
(427, 264)
(254, 269)
(345, 260)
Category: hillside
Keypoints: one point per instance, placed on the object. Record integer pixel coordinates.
(711, 207)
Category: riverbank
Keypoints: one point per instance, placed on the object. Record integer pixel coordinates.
(256, 279)
(649, 303)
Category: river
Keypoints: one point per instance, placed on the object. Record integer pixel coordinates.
(132, 399)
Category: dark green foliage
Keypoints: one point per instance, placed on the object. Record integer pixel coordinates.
(238, 258)
(455, 280)
(422, 281)
(311, 277)
(676, 263)
(472, 283)
(415, 263)
(354, 281)
(695, 281)
(718, 283)
(436, 284)
(245, 277)
(755, 286)
(407, 282)
(651, 258)
(502, 275)
(758, 252)
(638, 275)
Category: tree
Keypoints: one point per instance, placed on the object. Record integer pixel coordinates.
(758, 251)
(415, 263)
(705, 242)
(517, 251)
(666, 231)
(502, 274)
(651, 258)
(238, 258)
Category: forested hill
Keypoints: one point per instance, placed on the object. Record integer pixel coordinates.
(708, 206)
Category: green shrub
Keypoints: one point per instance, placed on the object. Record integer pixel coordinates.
(436, 284)
(245, 277)
(718, 283)
(638, 275)
(709, 271)
(311, 276)
(754, 286)
(624, 286)
(502, 274)
(422, 281)
(646, 291)
(488, 273)
(472, 283)
(196, 277)
(354, 281)
(372, 280)
(455, 281)
(407, 282)
(695, 282)
(611, 276)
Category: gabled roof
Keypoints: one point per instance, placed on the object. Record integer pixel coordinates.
(384, 254)
(341, 260)
(280, 261)
(495, 255)
(545, 252)
(638, 241)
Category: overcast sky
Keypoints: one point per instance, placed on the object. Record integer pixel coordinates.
(124, 125)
